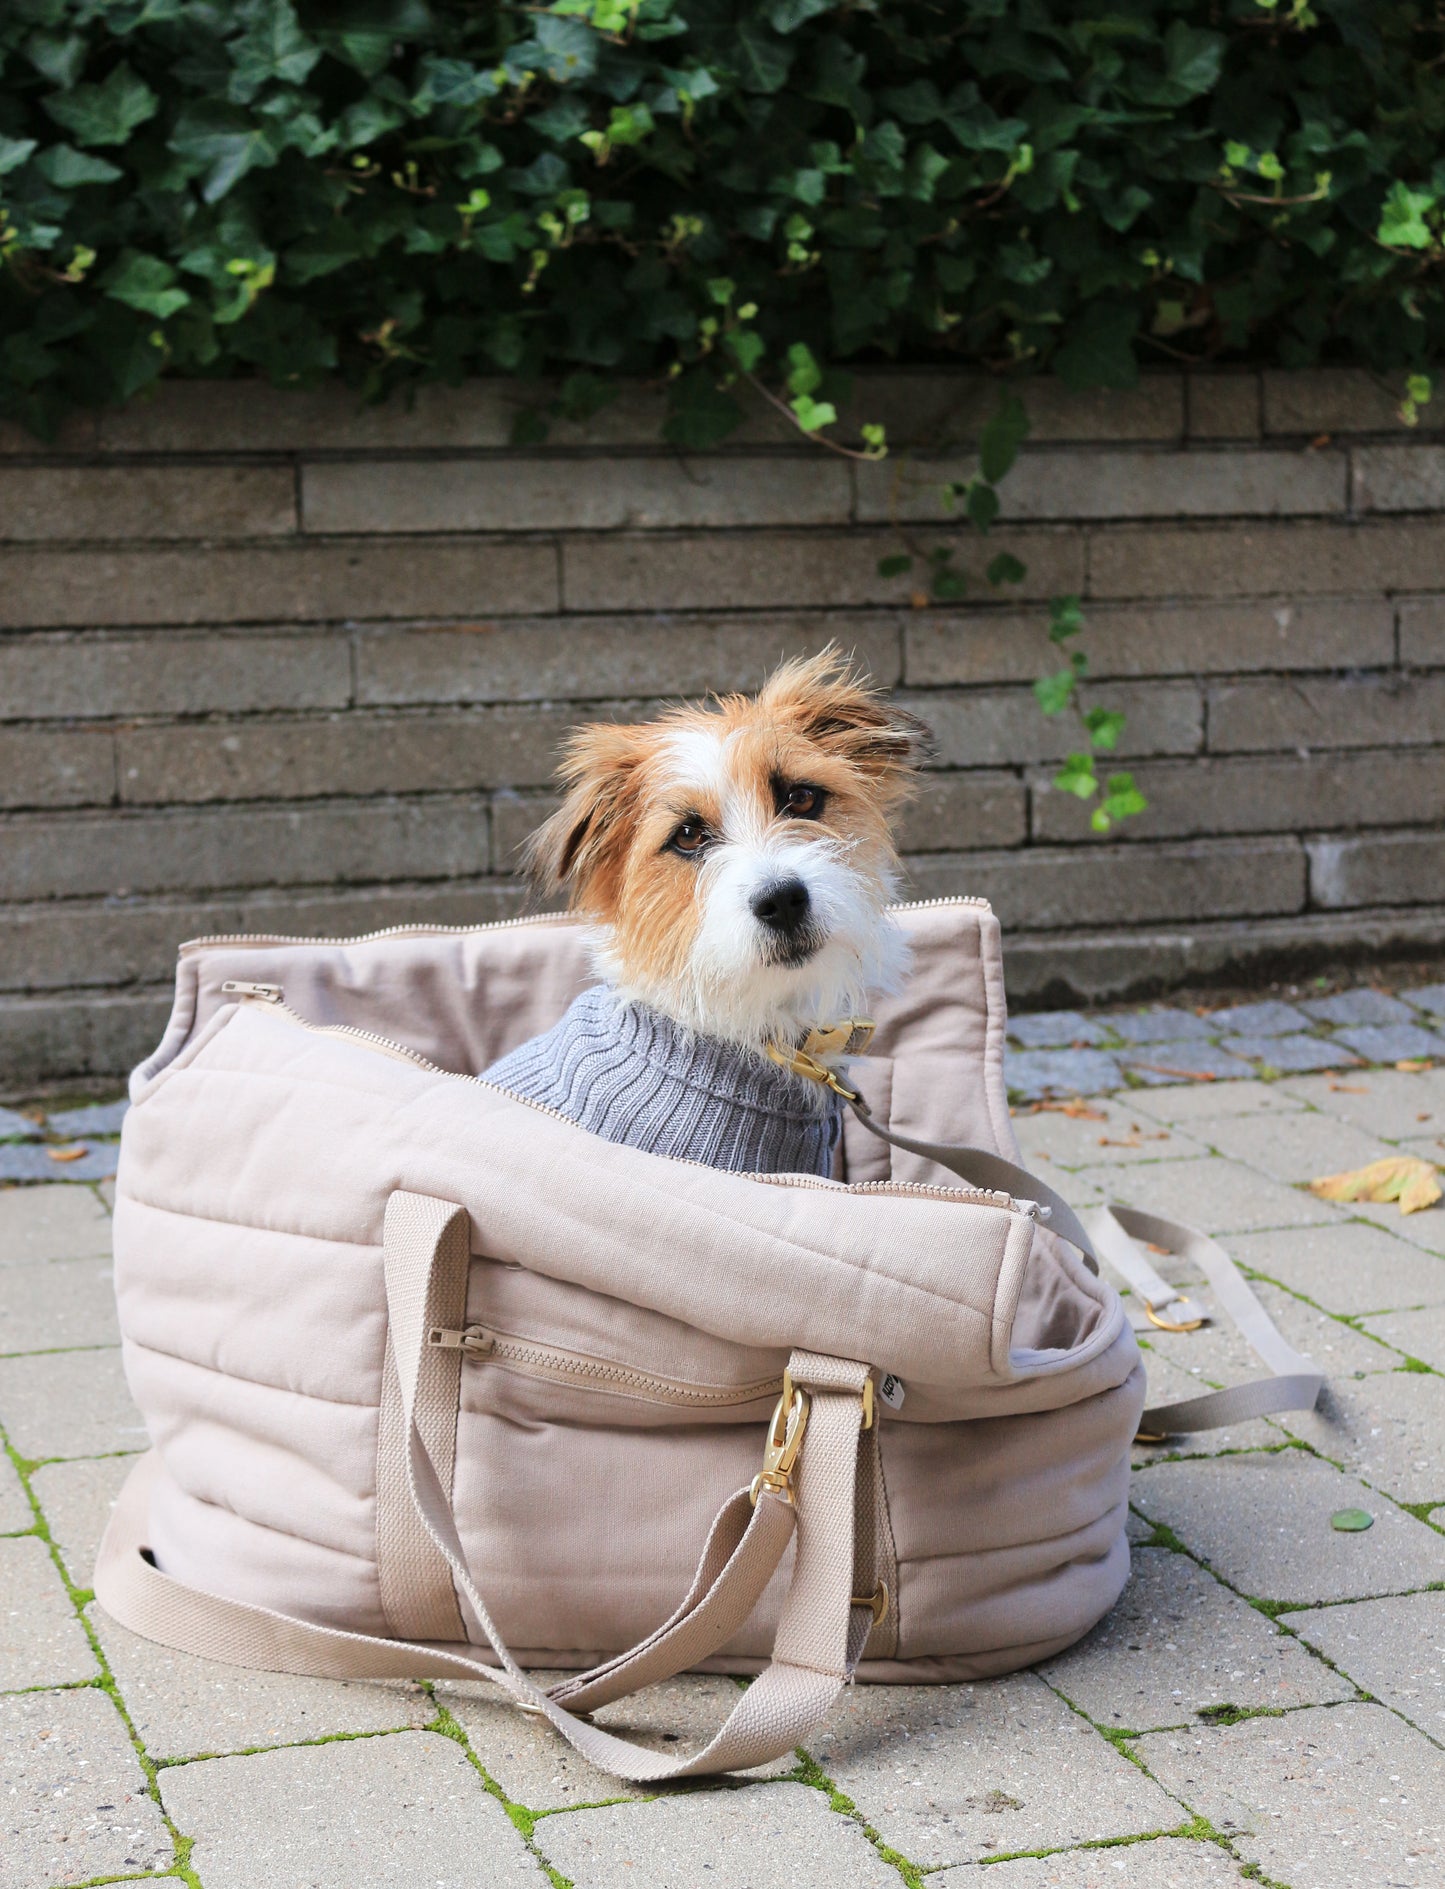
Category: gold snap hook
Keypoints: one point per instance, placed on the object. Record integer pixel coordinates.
(784, 1440)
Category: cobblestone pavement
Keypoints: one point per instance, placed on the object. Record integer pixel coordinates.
(1267, 1699)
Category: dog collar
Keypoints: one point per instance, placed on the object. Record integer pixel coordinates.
(849, 1038)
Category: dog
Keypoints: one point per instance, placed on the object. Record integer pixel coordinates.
(736, 861)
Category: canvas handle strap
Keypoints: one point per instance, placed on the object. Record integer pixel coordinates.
(820, 1636)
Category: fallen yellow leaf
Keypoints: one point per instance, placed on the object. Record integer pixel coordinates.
(1413, 1066)
(1401, 1177)
(66, 1154)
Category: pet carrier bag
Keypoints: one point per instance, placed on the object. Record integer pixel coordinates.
(439, 1384)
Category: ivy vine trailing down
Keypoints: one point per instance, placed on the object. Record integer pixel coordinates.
(724, 195)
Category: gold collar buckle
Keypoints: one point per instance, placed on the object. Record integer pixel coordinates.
(851, 1037)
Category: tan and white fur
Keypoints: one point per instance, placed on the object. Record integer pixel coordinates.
(736, 858)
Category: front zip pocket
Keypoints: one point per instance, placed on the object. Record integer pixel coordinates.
(556, 1365)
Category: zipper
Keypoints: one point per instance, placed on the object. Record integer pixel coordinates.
(558, 1365)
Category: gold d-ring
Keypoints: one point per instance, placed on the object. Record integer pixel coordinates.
(1165, 1324)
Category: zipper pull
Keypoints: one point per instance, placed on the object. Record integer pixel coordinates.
(267, 993)
(474, 1340)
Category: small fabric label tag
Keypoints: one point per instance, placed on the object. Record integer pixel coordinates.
(890, 1389)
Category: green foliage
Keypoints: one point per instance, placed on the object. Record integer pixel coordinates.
(395, 190)
(1058, 694)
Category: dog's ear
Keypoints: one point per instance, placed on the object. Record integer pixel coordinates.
(588, 832)
(834, 704)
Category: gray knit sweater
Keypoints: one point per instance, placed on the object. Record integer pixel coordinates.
(630, 1074)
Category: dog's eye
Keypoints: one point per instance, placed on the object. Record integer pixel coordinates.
(688, 839)
(801, 802)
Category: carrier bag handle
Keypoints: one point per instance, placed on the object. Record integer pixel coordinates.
(1115, 1230)
(818, 1444)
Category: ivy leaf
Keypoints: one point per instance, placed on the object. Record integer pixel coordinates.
(762, 60)
(68, 169)
(1402, 221)
(895, 566)
(568, 49)
(981, 503)
(1001, 438)
(1193, 59)
(1066, 619)
(107, 113)
(1104, 725)
(144, 282)
(700, 414)
(1054, 693)
(225, 142)
(1077, 776)
(804, 373)
(61, 60)
(785, 15)
(812, 414)
(13, 153)
(1100, 351)
(273, 48)
(1005, 569)
(1122, 800)
(746, 348)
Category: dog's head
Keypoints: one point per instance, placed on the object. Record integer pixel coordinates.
(737, 857)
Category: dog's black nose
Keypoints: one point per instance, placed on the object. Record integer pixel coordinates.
(782, 906)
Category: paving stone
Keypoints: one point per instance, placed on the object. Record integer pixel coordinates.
(76, 1499)
(1216, 1098)
(1392, 1042)
(1387, 1428)
(1158, 1063)
(51, 1223)
(364, 1813)
(1051, 1029)
(949, 1774)
(1291, 1052)
(1171, 1383)
(1430, 997)
(1418, 1334)
(183, 1706)
(1357, 1006)
(1336, 1347)
(1217, 1195)
(1328, 1798)
(1296, 1147)
(1269, 1018)
(78, 1805)
(30, 1161)
(42, 1643)
(1137, 1529)
(537, 1767)
(15, 1510)
(97, 1118)
(68, 1403)
(1112, 1133)
(1159, 1026)
(1263, 1524)
(1032, 1073)
(61, 1303)
(1391, 1103)
(1164, 1863)
(774, 1837)
(1350, 1268)
(1178, 1640)
(1425, 1229)
(1393, 1648)
(17, 1127)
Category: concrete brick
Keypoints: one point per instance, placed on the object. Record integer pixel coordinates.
(41, 1223)
(1103, 484)
(1392, 1042)
(948, 1774)
(1384, 1428)
(1160, 1023)
(999, 727)
(1218, 1195)
(1269, 1018)
(1262, 1522)
(68, 1403)
(1162, 1863)
(1155, 1064)
(1268, 794)
(170, 673)
(586, 659)
(973, 646)
(251, 416)
(1429, 998)
(758, 1839)
(56, 767)
(43, 1039)
(265, 583)
(1419, 1334)
(1386, 1102)
(534, 493)
(1385, 869)
(1338, 1347)
(923, 407)
(1366, 711)
(94, 1118)
(1390, 1648)
(1112, 1133)
(762, 570)
(1215, 1098)
(77, 1498)
(1331, 1798)
(329, 843)
(1298, 1147)
(1397, 478)
(1048, 1029)
(364, 1813)
(1238, 560)
(133, 501)
(1348, 1269)
(1049, 888)
(1224, 405)
(42, 1642)
(1422, 632)
(1033, 1073)
(964, 810)
(57, 1303)
(27, 1162)
(1338, 400)
(1299, 1053)
(1178, 1641)
(81, 1809)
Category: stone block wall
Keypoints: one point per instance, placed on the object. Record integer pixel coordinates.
(273, 662)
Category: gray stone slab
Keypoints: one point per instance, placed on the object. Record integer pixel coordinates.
(1394, 1649)
(1387, 1428)
(1269, 1018)
(68, 1403)
(1054, 1029)
(30, 1161)
(1349, 1268)
(1112, 1132)
(1392, 1042)
(96, 1118)
(363, 1813)
(536, 1767)
(1296, 1148)
(1263, 1524)
(1163, 1863)
(1215, 1194)
(59, 1303)
(1425, 1229)
(1357, 1006)
(1418, 1334)
(1158, 1063)
(1291, 1053)
(184, 1707)
(1033, 1073)
(15, 1127)
(51, 1223)
(952, 1774)
(1176, 1641)
(1205, 1100)
(79, 1807)
(1430, 998)
(42, 1642)
(1336, 1347)
(15, 1510)
(1390, 1103)
(76, 1499)
(777, 1836)
(1165, 1025)
(1328, 1798)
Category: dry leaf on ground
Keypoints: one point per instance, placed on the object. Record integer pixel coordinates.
(1402, 1177)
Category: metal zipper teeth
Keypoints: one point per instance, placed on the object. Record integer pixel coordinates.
(461, 931)
(551, 1361)
(401, 1051)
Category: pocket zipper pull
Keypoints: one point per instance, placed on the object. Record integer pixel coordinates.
(473, 1339)
(267, 993)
